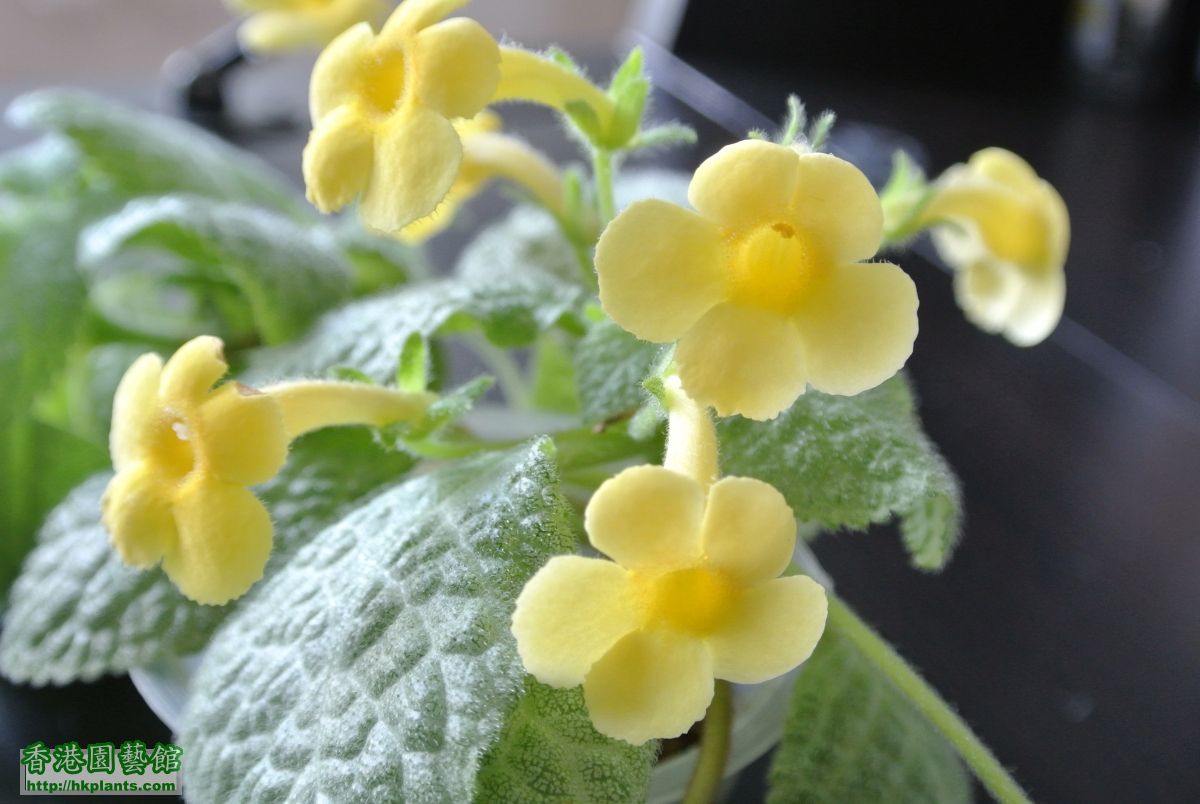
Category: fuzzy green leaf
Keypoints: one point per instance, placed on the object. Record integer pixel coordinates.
(852, 736)
(852, 461)
(78, 612)
(528, 242)
(378, 664)
(370, 334)
(145, 154)
(282, 271)
(610, 365)
(548, 752)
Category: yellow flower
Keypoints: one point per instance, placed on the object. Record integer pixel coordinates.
(1006, 235)
(692, 594)
(184, 455)
(381, 107)
(488, 154)
(764, 287)
(278, 26)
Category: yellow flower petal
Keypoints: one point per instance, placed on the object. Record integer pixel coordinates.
(660, 269)
(287, 27)
(241, 435)
(836, 205)
(651, 684)
(772, 628)
(1005, 167)
(337, 159)
(746, 183)
(741, 360)
(413, 15)
(988, 290)
(192, 371)
(647, 516)
(749, 530)
(135, 408)
(459, 67)
(417, 154)
(559, 643)
(1039, 310)
(338, 72)
(136, 511)
(858, 326)
(224, 541)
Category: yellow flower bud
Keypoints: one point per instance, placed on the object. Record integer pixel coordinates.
(1006, 233)
(764, 285)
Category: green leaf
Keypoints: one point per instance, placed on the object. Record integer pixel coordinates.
(548, 751)
(370, 334)
(610, 365)
(378, 664)
(77, 612)
(528, 242)
(629, 89)
(554, 376)
(40, 168)
(664, 135)
(852, 461)
(283, 272)
(379, 262)
(145, 154)
(852, 736)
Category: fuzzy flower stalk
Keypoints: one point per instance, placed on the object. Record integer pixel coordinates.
(186, 453)
(691, 594)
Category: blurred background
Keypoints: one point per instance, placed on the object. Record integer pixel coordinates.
(1067, 629)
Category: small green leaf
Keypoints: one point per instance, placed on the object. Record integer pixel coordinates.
(413, 370)
(548, 751)
(145, 154)
(554, 376)
(77, 612)
(528, 242)
(370, 334)
(629, 89)
(665, 135)
(610, 366)
(378, 664)
(584, 117)
(852, 461)
(286, 275)
(851, 736)
(415, 437)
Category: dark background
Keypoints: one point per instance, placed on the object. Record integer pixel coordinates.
(1067, 629)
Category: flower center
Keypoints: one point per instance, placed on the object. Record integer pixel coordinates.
(692, 600)
(383, 82)
(771, 267)
(172, 448)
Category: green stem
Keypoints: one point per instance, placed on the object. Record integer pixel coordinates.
(508, 373)
(602, 167)
(714, 748)
(978, 757)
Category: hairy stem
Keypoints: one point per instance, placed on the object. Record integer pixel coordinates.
(602, 168)
(940, 714)
(705, 783)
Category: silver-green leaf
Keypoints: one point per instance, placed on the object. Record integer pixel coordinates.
(852, 736)
(378, 664)
(850, 461)
(78, 612)
(549, 752)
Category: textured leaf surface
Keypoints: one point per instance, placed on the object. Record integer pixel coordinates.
(851, 736)
(78, 612)
(369, 334)
(285, 272)
(528, 242)
(549, 752)
(378, 665)
(853, 461)
(145, 154)
(610, 365)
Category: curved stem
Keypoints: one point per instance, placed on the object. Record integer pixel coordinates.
(978, 757)
(705, 783)
(528, 76)
(508, 374)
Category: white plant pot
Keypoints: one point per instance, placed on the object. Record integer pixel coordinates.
(759, 710)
